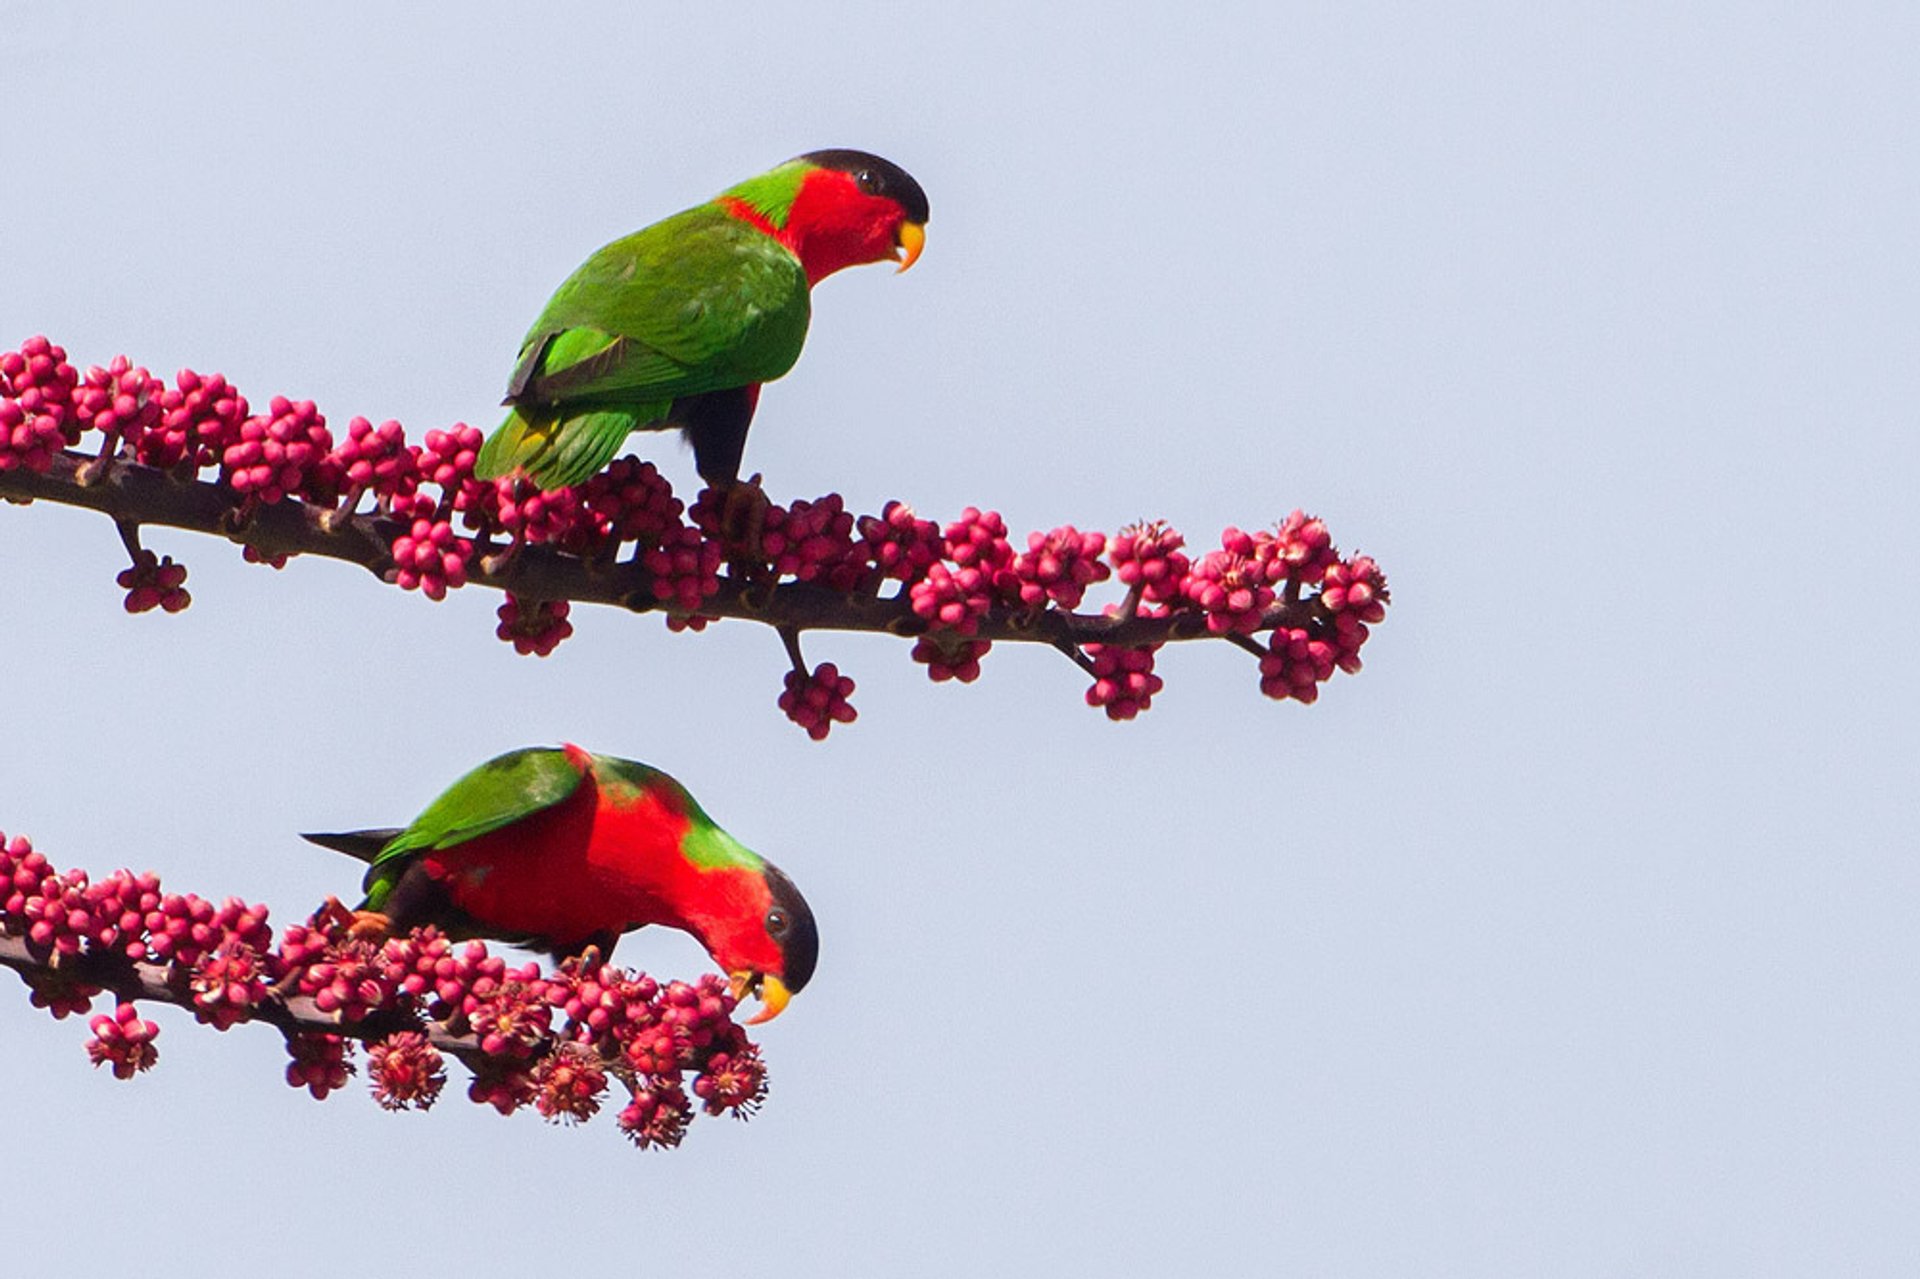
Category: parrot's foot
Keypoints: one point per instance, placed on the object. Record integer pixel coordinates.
(743, 522)
(333, 913)
(592, 953)
(368, 925)
(360, 925)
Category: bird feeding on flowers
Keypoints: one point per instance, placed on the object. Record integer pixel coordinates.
(558, 849)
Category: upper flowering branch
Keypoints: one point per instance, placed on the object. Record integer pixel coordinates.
(194, 456)
(554, 1041)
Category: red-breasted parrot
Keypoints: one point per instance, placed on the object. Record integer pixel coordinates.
(558, 849)
(677, 325)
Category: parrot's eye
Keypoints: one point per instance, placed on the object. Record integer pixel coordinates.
(865, 181)
(777, 922)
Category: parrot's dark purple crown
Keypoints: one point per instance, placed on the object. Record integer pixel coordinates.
(800, 944)
(875, 176)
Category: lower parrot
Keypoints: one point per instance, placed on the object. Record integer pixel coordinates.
(679, 324)
(558, 849)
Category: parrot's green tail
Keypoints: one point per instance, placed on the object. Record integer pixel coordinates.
(561, 452)
(504, 448)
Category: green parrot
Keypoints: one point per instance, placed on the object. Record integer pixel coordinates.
(677, 325)
(558, 849)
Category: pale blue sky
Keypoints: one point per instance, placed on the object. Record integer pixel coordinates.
(1574, 937)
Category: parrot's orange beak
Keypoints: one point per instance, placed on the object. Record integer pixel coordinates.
(772, 991)
(912, 237)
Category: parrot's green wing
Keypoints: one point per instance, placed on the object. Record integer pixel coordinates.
(701, 301)
(496, 794)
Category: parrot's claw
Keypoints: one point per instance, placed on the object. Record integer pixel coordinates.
(332, 911)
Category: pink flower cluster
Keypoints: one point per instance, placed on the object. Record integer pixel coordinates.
(124, 1041)
(685, 567)
(1058, 567)
(949, 658)
(811, 541)
(952, 598)
(899, 543)
(154, 582)
(429, 557)
(376, 459)
(1301, 658)
(120, 401)
(1123, 679)
(632, 502)
(199, 418)
(1231, 586)
(408, 1072)
(36, 401)
(553, 1041)
(533, 626)
(283, 453)
(530, 516)
(319, 1062)
(1147, 558)
(818, 701)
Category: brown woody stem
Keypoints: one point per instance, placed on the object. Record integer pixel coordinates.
(131, 493)
(165, 983)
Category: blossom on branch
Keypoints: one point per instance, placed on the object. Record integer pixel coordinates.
(193, 456)
(556, 1041)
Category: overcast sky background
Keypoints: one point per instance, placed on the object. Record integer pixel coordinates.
(1575, 936)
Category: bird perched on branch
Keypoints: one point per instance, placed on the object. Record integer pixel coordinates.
(679, 324)
(559, 850)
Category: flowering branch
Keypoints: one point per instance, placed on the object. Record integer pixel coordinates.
(553, 1041)
(284, 486)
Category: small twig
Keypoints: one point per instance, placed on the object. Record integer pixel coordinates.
(331, 520)
(1246, 642)
(1075, 654)
(129, 538)
(790, 636)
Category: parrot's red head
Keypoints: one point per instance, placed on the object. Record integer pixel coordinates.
(837, 208)
(764, 938)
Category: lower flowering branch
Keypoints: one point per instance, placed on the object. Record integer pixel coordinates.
(555, 1041)
(193, 456)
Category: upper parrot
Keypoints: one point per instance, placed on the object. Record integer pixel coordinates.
(677, 325)
(558, 849)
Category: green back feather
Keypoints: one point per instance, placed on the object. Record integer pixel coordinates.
(496, 794)
(705, 844)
